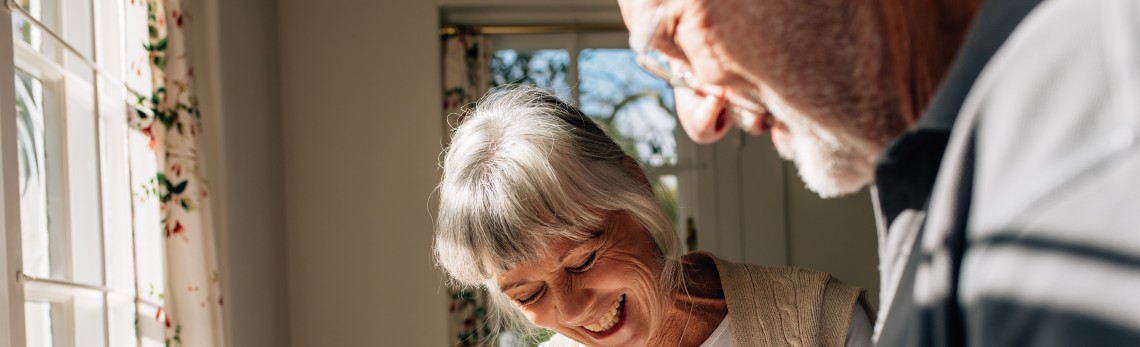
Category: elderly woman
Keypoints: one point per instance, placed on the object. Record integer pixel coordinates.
(546, 211)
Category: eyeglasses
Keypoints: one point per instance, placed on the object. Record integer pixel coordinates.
(657, 64)
(653, 61)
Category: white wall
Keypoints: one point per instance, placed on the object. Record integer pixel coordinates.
(361, 105)
(833, 235)
(761, 213)
(235, 52)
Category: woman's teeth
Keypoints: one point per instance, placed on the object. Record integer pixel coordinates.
(610, 319)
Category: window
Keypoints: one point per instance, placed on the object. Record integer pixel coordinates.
(598, 73)
(92, 270)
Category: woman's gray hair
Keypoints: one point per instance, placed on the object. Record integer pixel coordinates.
(525, 168)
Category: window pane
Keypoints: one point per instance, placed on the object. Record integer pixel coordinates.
(38, 323)
(152, 325)
(121, 321)
(83, 177)
(43, 202)
(78, 26)
(547, 68)
(76, 14)
(153, 342)
(117, 234)
(109, 50)
(33, 178)
(47, 13)
(135, 34)
(635, 107)
(90, 321)
(22, 28)
(148, 228)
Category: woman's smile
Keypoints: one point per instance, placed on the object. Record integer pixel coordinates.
(611, 318)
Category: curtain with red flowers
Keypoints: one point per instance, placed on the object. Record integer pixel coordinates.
(192, 302)
(466, 73)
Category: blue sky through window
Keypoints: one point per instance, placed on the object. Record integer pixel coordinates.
(634, 106)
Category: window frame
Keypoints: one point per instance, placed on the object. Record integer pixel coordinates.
(12, 292)
(104, 98)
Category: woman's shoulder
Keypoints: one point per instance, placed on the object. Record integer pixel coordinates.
(732, 270)
(760, 295)
(744, 283)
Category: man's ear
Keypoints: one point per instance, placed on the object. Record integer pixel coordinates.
(635, 169)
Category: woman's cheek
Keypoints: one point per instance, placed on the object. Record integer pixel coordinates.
(637, 275)
(540, 315)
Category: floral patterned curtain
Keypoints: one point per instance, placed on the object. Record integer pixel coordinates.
(170, 117)
(465, 80)
(466, 71)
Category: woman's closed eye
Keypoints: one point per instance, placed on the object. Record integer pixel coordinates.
(585, 265)
(531, 298)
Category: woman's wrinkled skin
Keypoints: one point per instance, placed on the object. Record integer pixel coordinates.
(577, 283)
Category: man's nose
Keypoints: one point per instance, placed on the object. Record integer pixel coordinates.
(703, 113)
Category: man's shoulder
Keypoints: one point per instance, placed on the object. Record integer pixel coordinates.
(1056, 166)
(1057, 113)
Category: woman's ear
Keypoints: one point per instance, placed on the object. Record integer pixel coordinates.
(635, 169)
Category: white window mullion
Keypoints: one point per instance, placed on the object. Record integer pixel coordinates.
(101, 162)
(12, 329)
(118, 233)
(574, 47)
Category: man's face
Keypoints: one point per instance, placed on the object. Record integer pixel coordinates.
(816, 67)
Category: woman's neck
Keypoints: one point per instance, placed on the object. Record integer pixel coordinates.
(697, 308)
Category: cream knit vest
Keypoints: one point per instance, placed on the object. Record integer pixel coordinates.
(785, 306)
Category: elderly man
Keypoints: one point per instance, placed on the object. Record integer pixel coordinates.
(1000, 136)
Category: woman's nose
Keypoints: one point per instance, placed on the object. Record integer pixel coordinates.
(576, 308)
(703, 113)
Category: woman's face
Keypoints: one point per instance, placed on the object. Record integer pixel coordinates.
(601, 292)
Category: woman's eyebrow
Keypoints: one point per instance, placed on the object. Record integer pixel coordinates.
(563, 258)
(512, 285)
(593, 236)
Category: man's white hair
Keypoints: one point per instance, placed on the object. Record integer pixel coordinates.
(523, 169)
